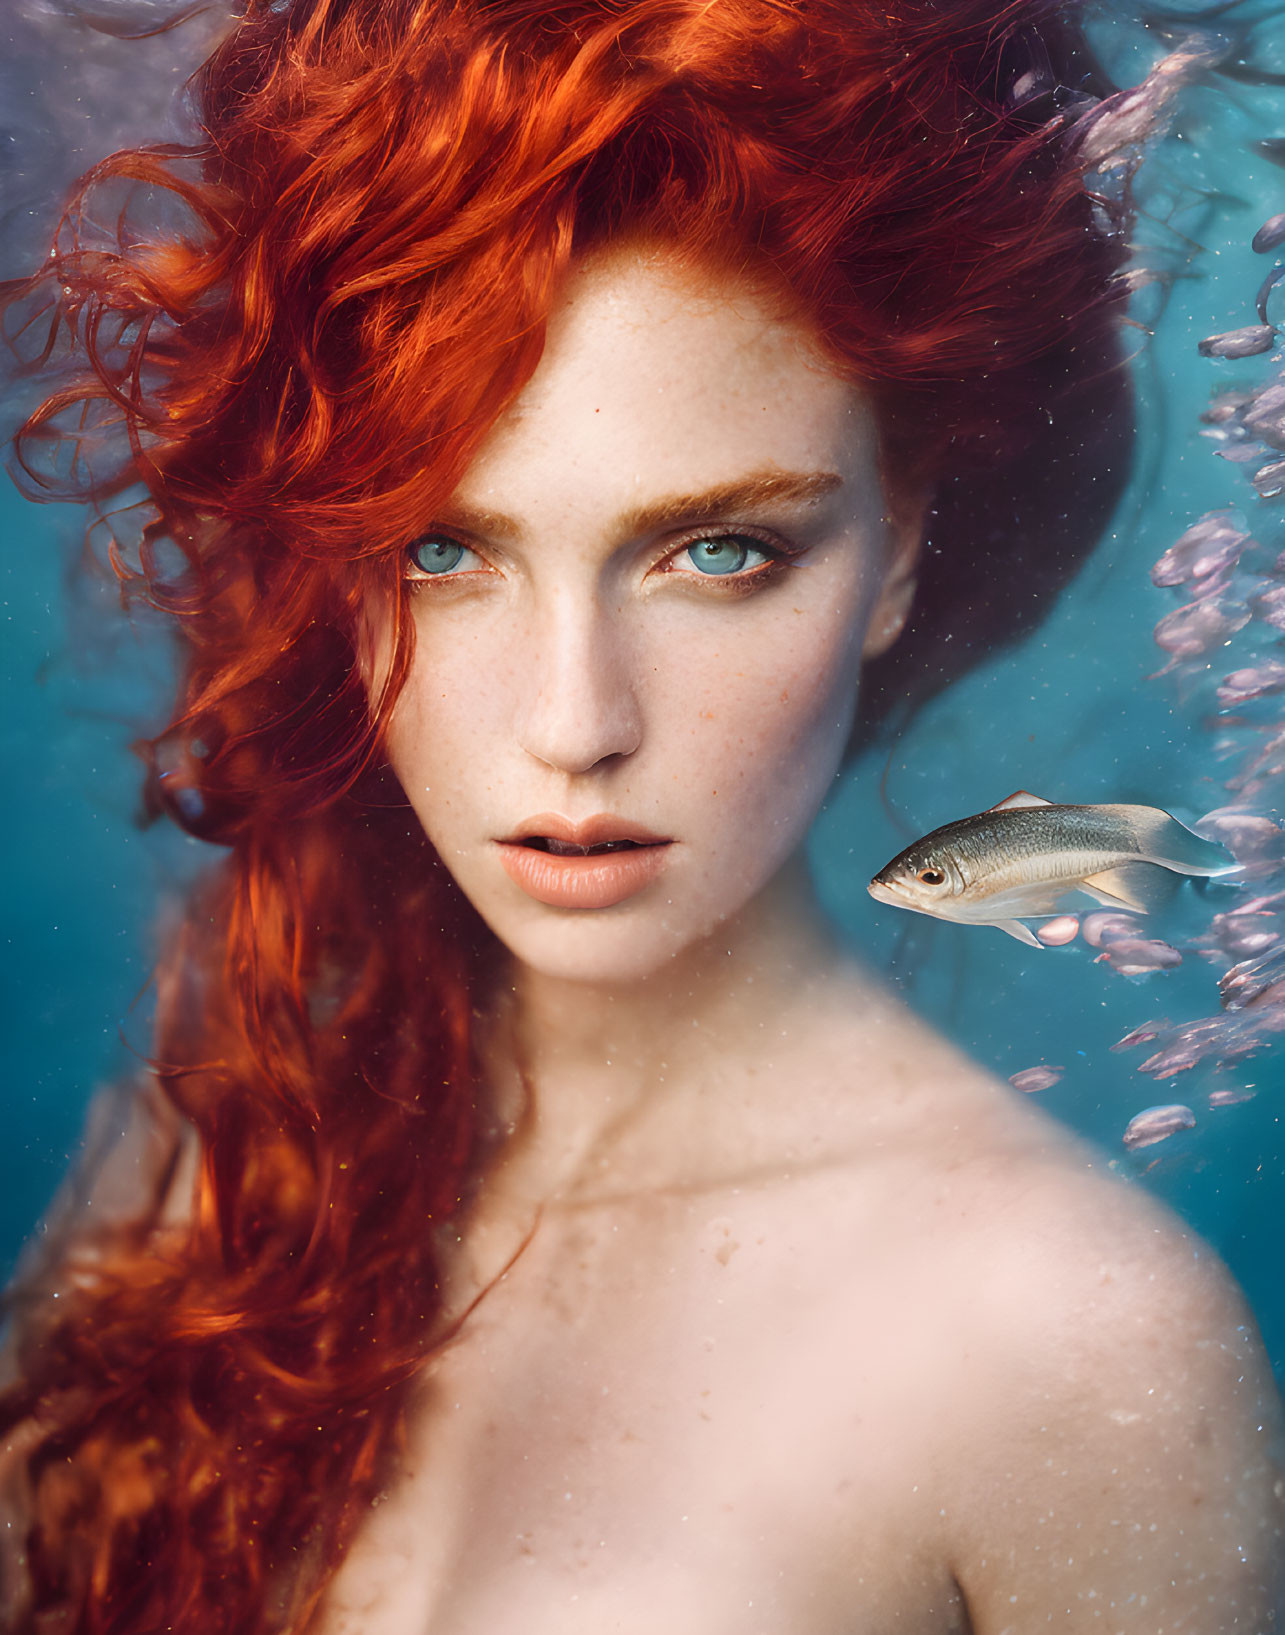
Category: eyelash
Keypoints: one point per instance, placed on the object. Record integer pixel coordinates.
(778, 554)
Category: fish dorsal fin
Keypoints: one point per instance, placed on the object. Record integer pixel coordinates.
(1019, 798)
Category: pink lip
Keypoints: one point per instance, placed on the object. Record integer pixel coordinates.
(583, 882)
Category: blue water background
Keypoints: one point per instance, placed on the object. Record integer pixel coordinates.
(1073, 714)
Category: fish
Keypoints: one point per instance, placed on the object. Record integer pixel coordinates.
(1238, 343)
(1136, 956)
(1189, 631)
(1105, 135)
(1242, 685)
(1031, 1080)
(1269, 480)
(1265, 289)
(1157, 1124)
(1271, 233)
(1209, 547)
(1023, 857)
(1264, 415)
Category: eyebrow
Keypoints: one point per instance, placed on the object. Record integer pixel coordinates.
(757, 488)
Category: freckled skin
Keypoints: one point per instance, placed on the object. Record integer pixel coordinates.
(575, 677)
(794, 1322)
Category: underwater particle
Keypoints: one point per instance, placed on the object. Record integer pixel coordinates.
(1242, 685)
(1188, 631)
(1057, 933)
(1229, 1098)
(1239, 343)
(1136, 956)
(1033, 1079)
(1269, 235)
(1098, 930)
(1208, 547)
(1157, 1124)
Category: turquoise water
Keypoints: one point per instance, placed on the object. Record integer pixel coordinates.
(1073, 714)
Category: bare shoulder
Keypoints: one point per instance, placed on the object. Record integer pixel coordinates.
(1119, 1430)
(1074, 1364)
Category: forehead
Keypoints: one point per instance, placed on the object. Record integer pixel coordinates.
(663, 377)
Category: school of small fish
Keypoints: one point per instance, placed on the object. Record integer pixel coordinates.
(1224, 648)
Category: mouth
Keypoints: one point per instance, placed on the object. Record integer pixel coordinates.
(594, 864)
(568, 848)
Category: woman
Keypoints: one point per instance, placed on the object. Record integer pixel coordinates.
(534, 1218)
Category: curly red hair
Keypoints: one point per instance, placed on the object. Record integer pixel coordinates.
(296, 354)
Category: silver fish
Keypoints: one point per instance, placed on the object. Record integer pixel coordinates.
(1022, 858)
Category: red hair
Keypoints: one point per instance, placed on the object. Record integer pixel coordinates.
(341, 287)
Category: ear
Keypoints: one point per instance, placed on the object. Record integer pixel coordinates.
(897, 592)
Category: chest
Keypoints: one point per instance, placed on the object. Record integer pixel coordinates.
(674, 1431)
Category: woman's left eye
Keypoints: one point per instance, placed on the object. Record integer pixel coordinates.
(724, 554)
(435, 555)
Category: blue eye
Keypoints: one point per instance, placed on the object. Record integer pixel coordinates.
(724, 555)
(436, 554)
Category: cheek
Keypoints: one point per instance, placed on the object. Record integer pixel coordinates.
(768, 715)
(438, 741)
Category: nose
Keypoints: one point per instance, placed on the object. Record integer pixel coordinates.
(582, 707)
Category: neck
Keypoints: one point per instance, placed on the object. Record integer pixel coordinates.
(578, 1067)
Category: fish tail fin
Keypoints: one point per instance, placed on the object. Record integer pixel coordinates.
(1162, 839)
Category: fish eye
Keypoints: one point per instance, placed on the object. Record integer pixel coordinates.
(931, 877)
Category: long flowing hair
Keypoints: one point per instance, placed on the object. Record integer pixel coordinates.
(272, 354)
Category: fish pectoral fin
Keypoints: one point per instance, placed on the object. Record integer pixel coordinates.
(1134, 886)
(1018, 799)
(1015, 928)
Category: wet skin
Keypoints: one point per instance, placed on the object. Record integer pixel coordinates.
(812, 1326)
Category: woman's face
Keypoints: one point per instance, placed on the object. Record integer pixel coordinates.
(640, 622)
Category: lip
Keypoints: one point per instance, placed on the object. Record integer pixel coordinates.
(583, 882)
(598, 830)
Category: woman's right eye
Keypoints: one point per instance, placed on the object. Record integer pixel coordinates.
(433, 556)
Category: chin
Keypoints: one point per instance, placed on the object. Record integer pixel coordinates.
(603, 949)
